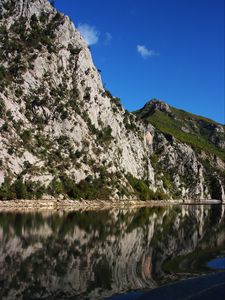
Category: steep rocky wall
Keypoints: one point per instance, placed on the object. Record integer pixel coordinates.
(57, 120)
(184, 173)
(57, 97)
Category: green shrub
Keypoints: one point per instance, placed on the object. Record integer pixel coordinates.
(35, 190)
(20, 189)
(42, 36)
(57, 187)
(88, 188)
(43, 18)
(18, 92)
(70, 187)
(107, 93)
(2, 73)
(26, 136)
(3, 32)
(6, 192)
(105, 135)
(34, 21)
(166, 182)
(159, 195)
(4, 127)
(63, 140)
(142, 190)
(2, 108)
(139, 186)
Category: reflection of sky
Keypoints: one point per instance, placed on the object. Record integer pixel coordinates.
(217, 263)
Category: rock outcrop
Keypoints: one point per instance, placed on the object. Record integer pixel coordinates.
(187, 153)
(61, 133)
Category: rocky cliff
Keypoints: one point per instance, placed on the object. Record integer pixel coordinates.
(188, 151)
(63, 135)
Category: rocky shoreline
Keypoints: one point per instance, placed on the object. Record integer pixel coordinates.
(73, 205)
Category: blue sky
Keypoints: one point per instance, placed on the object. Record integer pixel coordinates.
(172, 50)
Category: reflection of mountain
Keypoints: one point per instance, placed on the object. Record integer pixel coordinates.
(91, 255)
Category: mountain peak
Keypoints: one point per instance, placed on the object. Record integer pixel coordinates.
(13, 9)
(158, 105)
(151, 106)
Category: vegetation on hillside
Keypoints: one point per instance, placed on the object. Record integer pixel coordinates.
(142, 190)
(188, 128)
(99, 187)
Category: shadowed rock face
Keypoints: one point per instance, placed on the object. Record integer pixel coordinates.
(92, 255)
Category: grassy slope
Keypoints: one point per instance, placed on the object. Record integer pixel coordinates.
(200, 128)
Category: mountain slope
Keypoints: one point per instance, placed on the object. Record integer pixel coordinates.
(189, 150)
(63, 135)
(58, 125)
(199, 132)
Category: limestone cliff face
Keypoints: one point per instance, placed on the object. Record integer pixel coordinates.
(187, 151)
(58, 124)
(57, 114)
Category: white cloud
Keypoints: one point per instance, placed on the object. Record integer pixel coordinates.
(145, 52)
(89, 33)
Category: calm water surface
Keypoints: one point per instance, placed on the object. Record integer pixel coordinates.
(93, 255)
(217, 263)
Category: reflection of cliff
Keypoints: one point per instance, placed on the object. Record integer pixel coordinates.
(96, 254)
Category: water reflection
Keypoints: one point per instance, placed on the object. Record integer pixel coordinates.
(217, 263)
(92, 255)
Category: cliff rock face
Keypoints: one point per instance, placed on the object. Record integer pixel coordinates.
(62, 133)
(187, 152)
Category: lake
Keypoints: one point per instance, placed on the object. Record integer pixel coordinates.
(96, 254)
